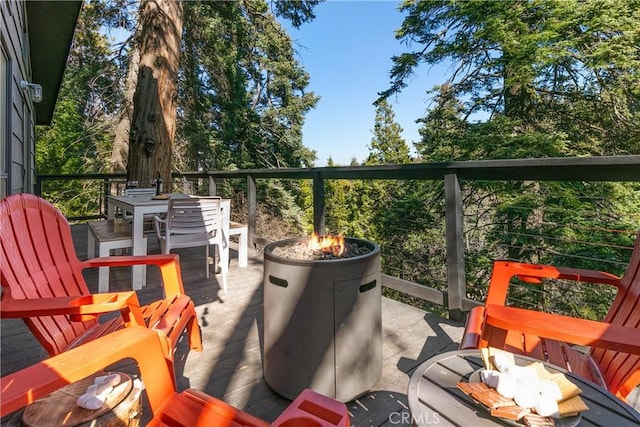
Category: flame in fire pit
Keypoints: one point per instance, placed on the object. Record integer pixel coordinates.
(329, 244)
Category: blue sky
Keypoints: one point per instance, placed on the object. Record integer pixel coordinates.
(347, 52)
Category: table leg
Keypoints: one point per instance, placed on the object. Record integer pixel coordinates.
(224, 258)
(224, 251)
(111, 211)
(138, 272)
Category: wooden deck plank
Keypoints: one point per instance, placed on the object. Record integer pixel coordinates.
(230, 367)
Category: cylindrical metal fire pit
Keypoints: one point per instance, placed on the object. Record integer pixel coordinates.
(322, 323)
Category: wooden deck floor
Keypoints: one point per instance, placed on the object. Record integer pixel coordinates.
(230, 367)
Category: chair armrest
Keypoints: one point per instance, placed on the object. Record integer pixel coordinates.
(314, 409)
(473, 329)
(144, 345)
(564, 328)
(79, 308)
(194, 407)
(589, 276)
(504, 271)
(129, 260)
(169, 265)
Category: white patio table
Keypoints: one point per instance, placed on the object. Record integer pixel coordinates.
(138, 206)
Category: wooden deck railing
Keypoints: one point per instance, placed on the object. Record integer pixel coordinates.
(589, 169)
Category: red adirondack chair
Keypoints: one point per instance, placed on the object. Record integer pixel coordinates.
(614, 357)
(190, 408)
(42, 283)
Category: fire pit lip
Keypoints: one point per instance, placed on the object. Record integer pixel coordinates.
(268, 251)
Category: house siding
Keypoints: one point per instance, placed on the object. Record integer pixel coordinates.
(18, 145)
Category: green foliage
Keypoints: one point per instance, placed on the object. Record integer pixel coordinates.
(280, 214)
(297, 12)
(549, 79)
(500, 138)
(357, 206)
(78, 139)
(88, 97)
(387, 145)
(561, 68)
(244, 96)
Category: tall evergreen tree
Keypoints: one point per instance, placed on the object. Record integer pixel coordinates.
(563, 68)
(245, 93)
(358, 208)
(387, 145)
(153, 123)
(547, 79)
(79, 135)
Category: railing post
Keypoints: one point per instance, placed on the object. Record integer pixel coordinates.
(318, 204)
(212, 187)
(38, 186)
(252, 201)
(456, 276)
(106, 188)
(185, 185)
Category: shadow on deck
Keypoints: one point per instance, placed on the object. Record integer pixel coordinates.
(230, 367)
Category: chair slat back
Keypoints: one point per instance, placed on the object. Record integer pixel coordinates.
(618, 367)
(140, 191)
(39, 260)
(195, 215)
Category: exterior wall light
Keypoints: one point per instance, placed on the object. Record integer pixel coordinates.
(35, 90)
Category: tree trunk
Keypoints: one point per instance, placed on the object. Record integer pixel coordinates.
(154, 115)
(120, 153)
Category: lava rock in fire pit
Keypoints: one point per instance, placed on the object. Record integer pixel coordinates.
(302, 251)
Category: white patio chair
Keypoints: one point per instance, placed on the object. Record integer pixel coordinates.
(192, 222)
(151, 191)
(148, 218)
